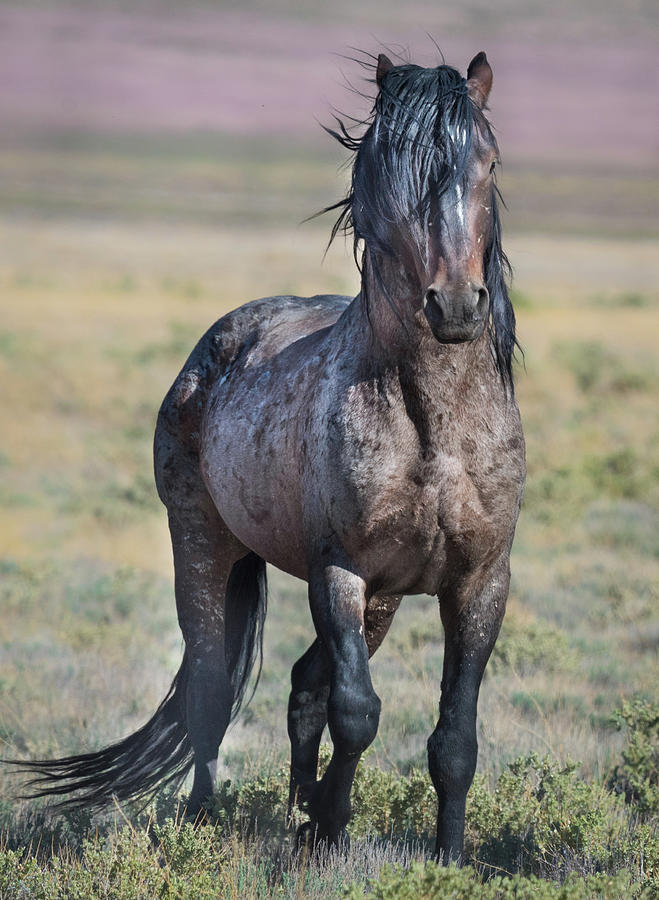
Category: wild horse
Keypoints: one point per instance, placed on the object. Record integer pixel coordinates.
(371, 446)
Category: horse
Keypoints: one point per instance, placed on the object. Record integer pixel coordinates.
(370, 446)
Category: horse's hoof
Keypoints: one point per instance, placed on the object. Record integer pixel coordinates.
(196, 813)
(309, 840)
(306, 838)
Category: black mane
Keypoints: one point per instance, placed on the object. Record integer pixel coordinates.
(416, 146)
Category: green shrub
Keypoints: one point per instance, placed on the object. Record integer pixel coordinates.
(257, 806)
(526, 647)
(182, 862)
(638, 775)
(552, 834)
(559, 491)
(429, 881)
(390, 805)
(537, 810)
(618, 474)
(192, 856)
(262, 802)
(542, 817)
(596, 368)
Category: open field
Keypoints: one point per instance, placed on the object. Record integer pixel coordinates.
(98, 318)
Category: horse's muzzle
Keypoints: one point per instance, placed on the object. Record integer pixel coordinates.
(456, 317)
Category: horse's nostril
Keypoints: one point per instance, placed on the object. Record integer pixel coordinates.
(482, 304)
(432, 295)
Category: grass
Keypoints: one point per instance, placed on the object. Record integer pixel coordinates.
(98, 315)
(561, 836)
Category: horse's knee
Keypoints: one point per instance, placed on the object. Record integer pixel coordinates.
(452, 755)
(353, 718)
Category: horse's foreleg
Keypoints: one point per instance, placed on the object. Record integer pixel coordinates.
(353, 708)
(471, 629)
(307, 706)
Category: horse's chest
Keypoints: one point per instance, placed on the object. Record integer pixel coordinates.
(418, 513)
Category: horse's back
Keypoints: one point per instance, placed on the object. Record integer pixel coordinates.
(267, 327)
(258, 329)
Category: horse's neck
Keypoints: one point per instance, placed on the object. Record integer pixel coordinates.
(436, 386)
(390, 338)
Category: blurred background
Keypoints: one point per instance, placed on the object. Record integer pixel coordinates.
(156, 161)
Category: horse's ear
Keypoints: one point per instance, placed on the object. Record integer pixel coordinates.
(479, 79)
(384, 65)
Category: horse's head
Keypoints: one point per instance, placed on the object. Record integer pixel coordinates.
(424, 203)
(453, 159)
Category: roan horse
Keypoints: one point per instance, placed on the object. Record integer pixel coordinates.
(370, 446)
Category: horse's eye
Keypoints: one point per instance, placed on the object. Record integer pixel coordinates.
(493, 167)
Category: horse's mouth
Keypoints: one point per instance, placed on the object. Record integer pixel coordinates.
(461, 338)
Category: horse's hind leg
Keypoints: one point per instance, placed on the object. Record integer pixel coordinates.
(307, 705)
(203, 558)
(202, 562)
(205, 552)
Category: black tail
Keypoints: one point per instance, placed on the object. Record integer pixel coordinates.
(160, 752)
(246, 607)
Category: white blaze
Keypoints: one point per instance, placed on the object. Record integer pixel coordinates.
(460, 205)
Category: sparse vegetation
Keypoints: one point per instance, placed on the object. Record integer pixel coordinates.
(89, 639)
(637, 777)
(541, 831)
(598, 369)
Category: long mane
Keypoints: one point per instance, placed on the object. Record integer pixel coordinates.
(415, 147)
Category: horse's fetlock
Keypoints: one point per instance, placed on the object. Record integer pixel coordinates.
(331, 812)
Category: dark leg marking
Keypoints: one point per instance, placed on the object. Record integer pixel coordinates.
(453, 747)
(307, 706)
(336, 597)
